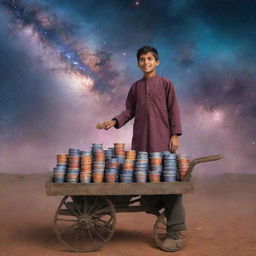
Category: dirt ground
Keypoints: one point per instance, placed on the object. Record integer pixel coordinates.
(220, 214)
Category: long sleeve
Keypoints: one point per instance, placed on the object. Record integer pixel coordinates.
(129, 112)
(173, 111)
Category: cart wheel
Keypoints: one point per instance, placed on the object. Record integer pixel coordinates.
(160, 233)
(85, 223)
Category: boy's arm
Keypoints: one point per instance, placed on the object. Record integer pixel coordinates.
(128, 113)
(173, 111)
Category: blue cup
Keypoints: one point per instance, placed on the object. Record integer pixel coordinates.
(169, 178)
(127, 172)
(73, 171)
(85, 153)
(72, 180)
(59, 180)
(111, 171)
(156, 168)
(155, 172)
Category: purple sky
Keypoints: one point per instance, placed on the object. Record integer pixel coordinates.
(66, 65)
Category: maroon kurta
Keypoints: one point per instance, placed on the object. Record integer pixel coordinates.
(154, 105)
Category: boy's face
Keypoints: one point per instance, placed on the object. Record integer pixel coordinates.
(147, 63)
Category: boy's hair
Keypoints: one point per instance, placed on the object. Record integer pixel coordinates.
(145, 50)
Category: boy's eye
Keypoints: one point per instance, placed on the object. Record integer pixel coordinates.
(149, 58)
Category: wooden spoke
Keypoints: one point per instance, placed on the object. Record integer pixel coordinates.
(97, 204)
(163, 221)
(69, 207)
(68, 228)
(98, 234)
(66, 220)
(66, 212)
(77, 208)
(102, 226)
(90, 234)
(161, 234)
(102, 214)
(103, 210)
(85, 205)
(161, 228)
(94, 204)
(104, 221)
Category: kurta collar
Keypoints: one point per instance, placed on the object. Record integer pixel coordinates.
(152, 78)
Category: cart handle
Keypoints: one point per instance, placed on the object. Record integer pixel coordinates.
(198, 161)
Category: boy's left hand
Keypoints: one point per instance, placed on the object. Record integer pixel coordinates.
(174, 143)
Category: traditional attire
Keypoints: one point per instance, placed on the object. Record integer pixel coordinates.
(154, 105)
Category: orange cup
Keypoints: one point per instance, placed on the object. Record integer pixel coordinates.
(110, 178)
(97, 177)
(183, 161)
(113, 165)
(183, 169)
(62, 161)
(86, 157)
(154, 177)
(101, 158)
(156, 161)
(86, 171)
(86, 161)
(72, 175)
(62, 156)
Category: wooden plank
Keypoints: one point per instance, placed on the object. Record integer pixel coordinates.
(160, 188)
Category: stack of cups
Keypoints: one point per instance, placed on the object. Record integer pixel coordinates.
(155, 166)
(109, 153)
(73, 165)
(128, 166)
(111, 170)
(141, 167)
(119, 152)
(95, 147)
(98, 166)
(85, 167)
(126, 176)
(183, 165)
(60, 170)
(170, 166)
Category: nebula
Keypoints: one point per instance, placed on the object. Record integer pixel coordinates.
(67, 65)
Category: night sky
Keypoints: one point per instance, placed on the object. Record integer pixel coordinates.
(67, 65)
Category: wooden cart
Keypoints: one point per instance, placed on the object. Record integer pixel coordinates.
(86, 217)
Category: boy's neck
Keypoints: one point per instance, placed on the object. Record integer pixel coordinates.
(150, 75)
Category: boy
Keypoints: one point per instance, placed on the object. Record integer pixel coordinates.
(152, 101)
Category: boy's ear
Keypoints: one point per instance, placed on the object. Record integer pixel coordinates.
(158, 62)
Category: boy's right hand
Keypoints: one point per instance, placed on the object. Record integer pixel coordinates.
(106, 125)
